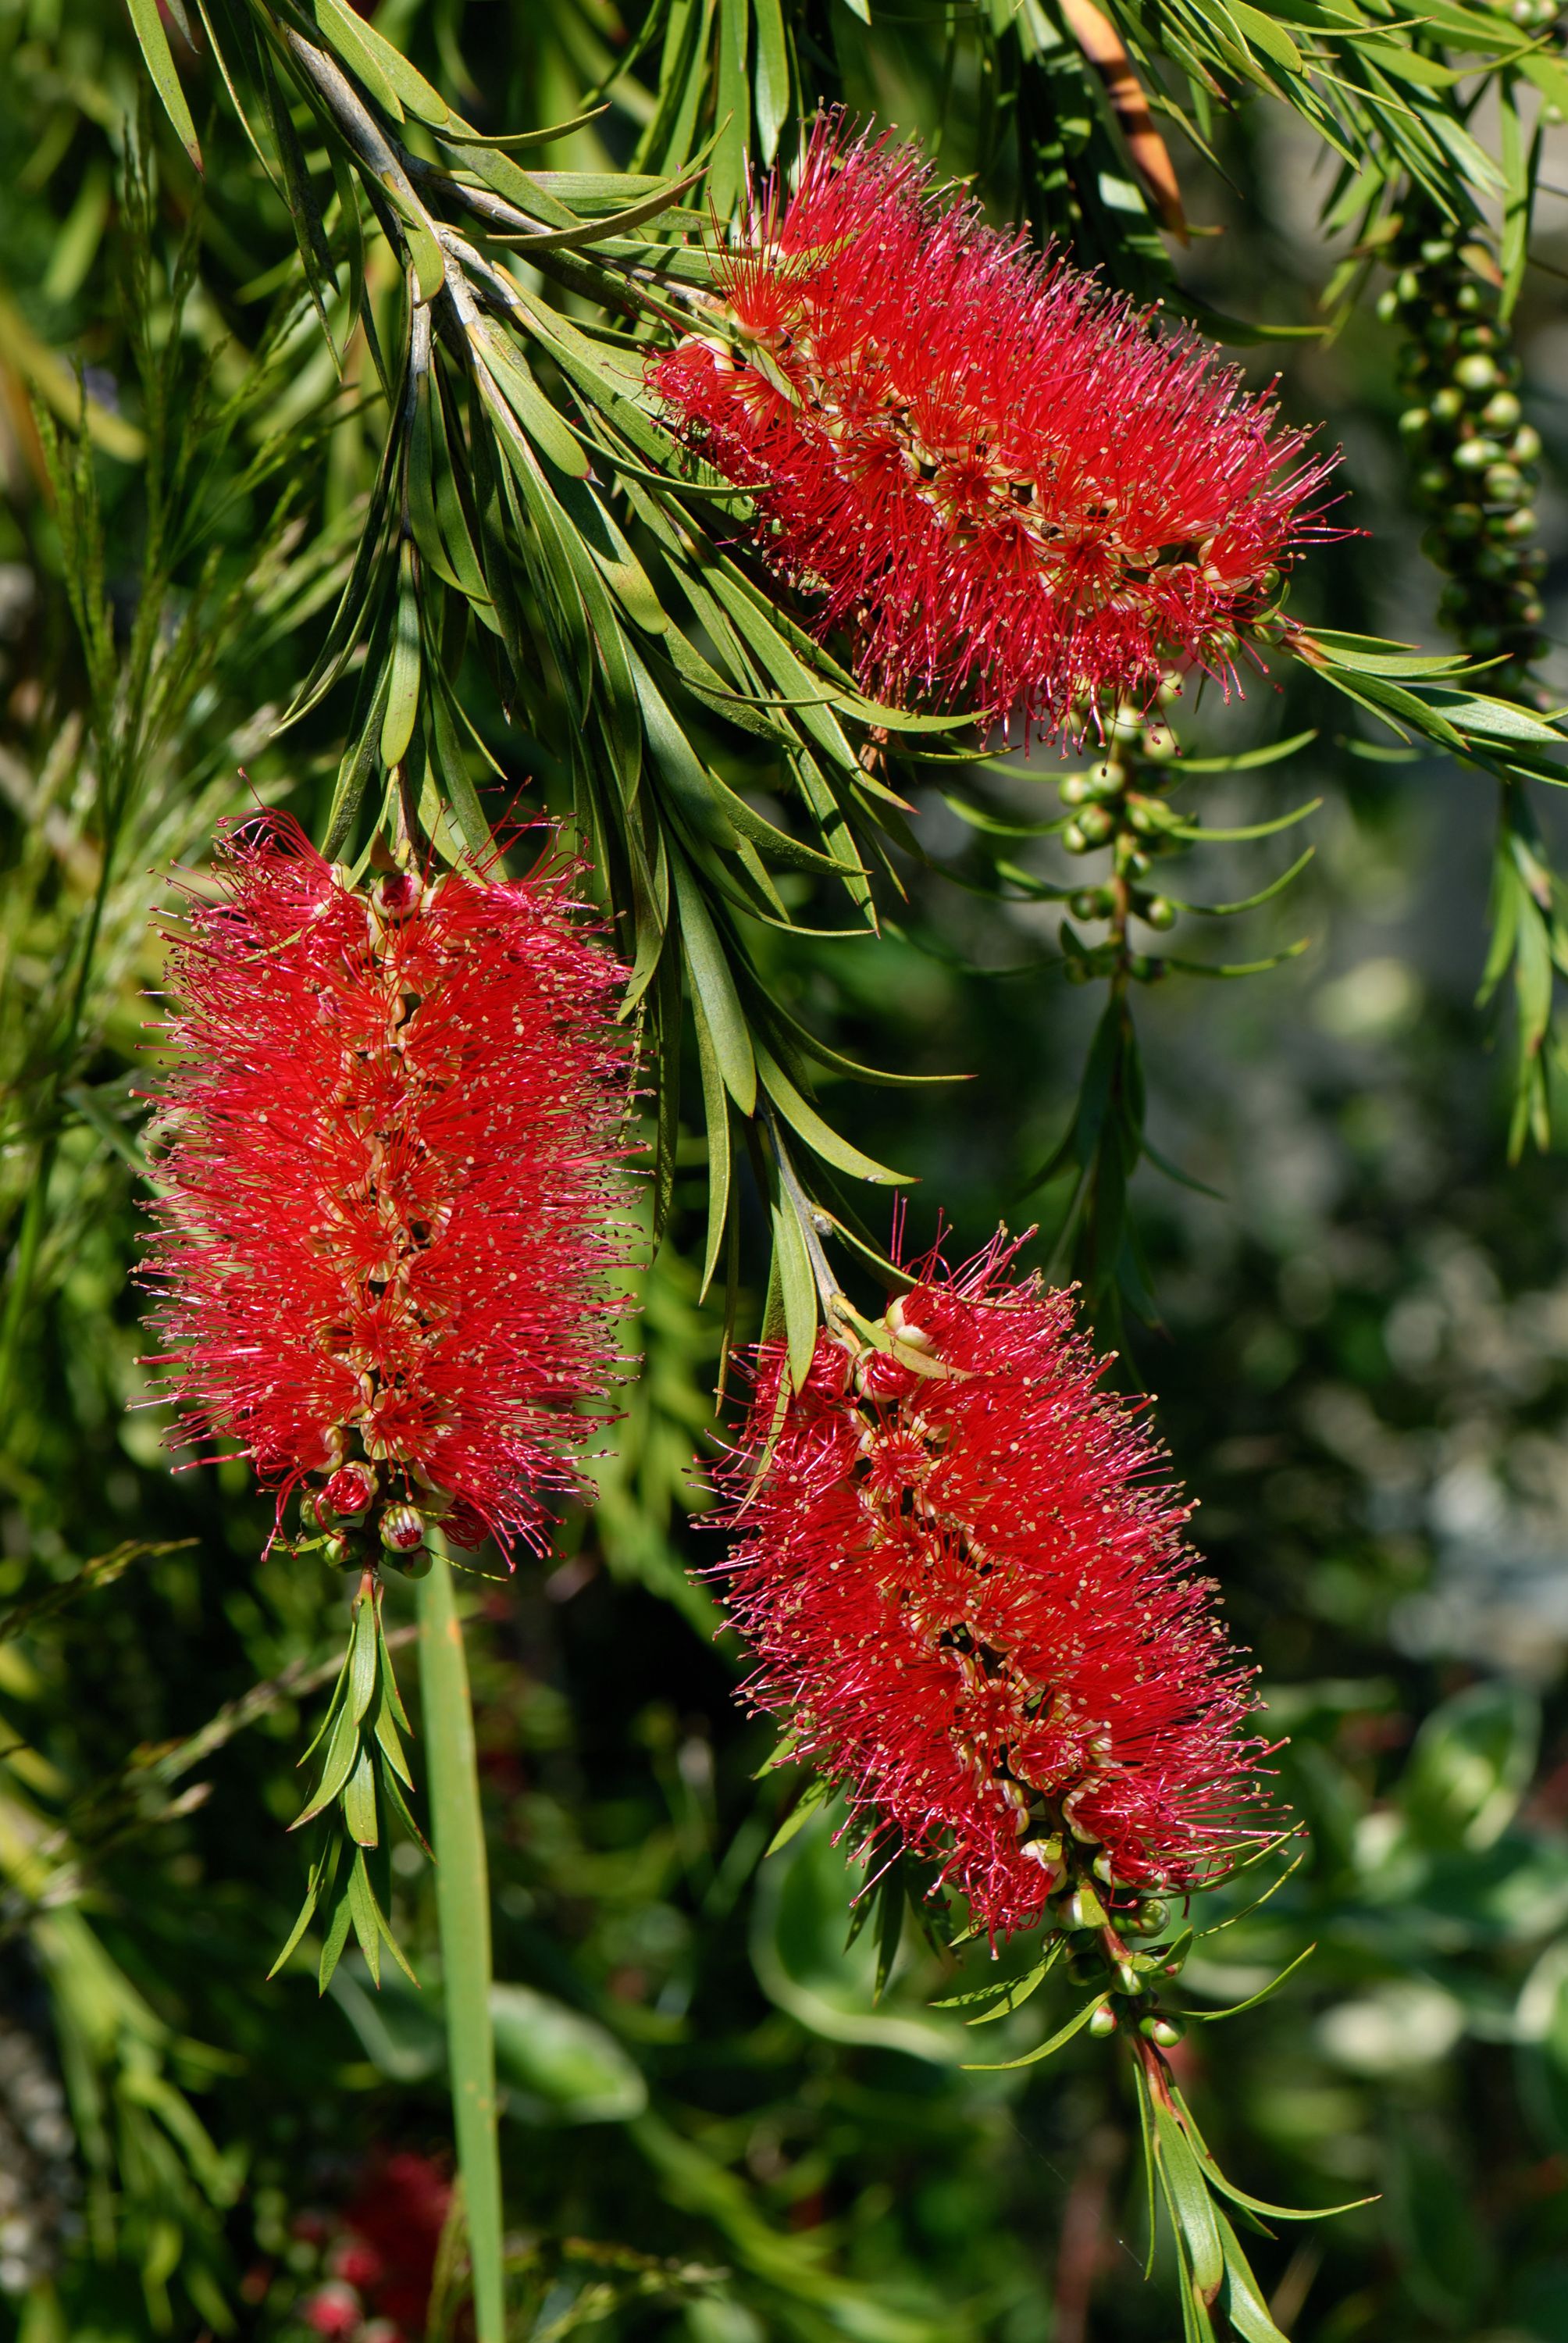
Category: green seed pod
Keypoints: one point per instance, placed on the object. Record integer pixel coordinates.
(1103, 2022)
(1157, 911)
(1505, 484)
(1477, 372)
(1502, 411)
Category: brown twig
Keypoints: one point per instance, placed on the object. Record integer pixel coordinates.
(1098, 39)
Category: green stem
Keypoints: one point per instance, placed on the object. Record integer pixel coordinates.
(463, 1907)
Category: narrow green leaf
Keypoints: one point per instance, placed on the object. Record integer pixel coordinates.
(336, 1937)
(463, 1909)
(403, 685)
(716, 1122)
(819, 1135)
(816, 1793)
(158, 58)
(714, 986)
(1191, 2208)
(363, 1912)
(797, 1288)
(1064, 2033)
(360, 1802)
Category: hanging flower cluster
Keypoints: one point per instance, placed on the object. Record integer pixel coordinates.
(963, 1575)
(388, 1223)
(1016, 495)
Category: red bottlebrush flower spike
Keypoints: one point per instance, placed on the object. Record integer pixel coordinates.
(1015, 494)
(968, 1588)
(388, 1218)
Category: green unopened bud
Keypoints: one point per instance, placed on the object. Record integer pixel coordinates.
(1525, 447)
(1083, 1908)
(1074, 842)
(1447, 404)
(341, 1552)
(1085, 1968)
(1103, 2022)
(1502, 412)
(1475, 455)
(1149, 1917)
(1157, 2027)
(1158, 911)
(1090, 903)
(1414, 424)
(1097, 824)
(1514, 525)
(1127, 1979)
(1145, 969)
(1075, 791)
(419, 1564)
(1388, 305)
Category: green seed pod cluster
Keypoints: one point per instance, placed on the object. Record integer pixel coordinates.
(1476, 459)
(1120, 805)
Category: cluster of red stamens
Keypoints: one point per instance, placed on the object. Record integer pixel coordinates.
(1014, 494)
(965, 1579)
(387, 1219)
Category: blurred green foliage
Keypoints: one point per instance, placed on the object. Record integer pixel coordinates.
(713, 2131)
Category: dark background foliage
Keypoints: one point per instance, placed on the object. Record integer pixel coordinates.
(1359, 1356)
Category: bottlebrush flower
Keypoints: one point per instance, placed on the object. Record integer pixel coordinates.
(970, 1598)
(387, 1225)
(1012, 491)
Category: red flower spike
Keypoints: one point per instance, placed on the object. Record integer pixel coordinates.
(1015, 494)
(970, 1597)
(387, 1225)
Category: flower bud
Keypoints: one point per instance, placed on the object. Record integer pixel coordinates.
(350, 1490)
(403, 1528)
(1103, 2023)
